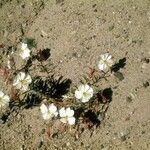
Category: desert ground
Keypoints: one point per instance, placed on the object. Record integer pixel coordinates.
(77, 32)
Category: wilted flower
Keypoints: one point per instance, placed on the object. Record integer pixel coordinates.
(84, 93)
(22, 81)
(105, 62)
(49, 112)
(25, 51)
(67, 115)
(4, 99)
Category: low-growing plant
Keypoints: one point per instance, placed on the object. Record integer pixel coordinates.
(74, 107)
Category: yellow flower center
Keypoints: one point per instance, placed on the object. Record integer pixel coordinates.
(84, 94)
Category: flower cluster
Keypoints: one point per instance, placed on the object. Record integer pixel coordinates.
(83, 96)
(66, 115)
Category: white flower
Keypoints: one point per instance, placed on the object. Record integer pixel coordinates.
(84, 93)
(49, 112)
(105, 62)
(67, 115)
(22, 81)
(25, 51)
(4, 99)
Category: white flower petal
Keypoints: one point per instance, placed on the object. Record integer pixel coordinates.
(69, 112)
(90, 91)
(109, 57)
(16, 81)
(56, 114)
(101, 66)
(25, 51)
(106, 56)
(110, 63)
(21, 75)
(19, 85)
(105, 67)
(105, 62)
(25, 54)
(78, 94)
(46, 116)
(24, 46)
(24, 87)
(86, 87)
(43, 109)
(81, 88)
(6, 98)
(71, 120)
(62, 112)
(28, 78)
(102, 57)
(52, 108)
(85, 99)
(1, 94)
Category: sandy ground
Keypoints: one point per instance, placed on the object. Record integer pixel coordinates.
(77, 32)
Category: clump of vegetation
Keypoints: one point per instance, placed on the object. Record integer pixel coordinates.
(74, 107)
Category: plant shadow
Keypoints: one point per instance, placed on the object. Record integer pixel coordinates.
(48, 88)
(43, 55)
(105, 96)
(121, 64)
(91, 116)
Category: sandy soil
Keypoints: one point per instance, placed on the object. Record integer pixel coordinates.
(77, 32)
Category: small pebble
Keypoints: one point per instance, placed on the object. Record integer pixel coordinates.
(145, 60)
(43, 131)
(129, 99)
(40, 144)
(146, 84)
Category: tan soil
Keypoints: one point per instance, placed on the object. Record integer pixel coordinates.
(77, 32)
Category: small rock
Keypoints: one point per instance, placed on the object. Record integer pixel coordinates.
(146, 84)
(145, 60)
(43, 131)
(22, 147)
(123, 138)
(106, 148)
(124, 135)
(5, 33)
(148, 14)
(144, 65)
(94, 5)
(68, 144)
(95, 10)
(129, 99)
(40, 144)
(111, 27)
(74, 54)
(102, 146)
(18, 116)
